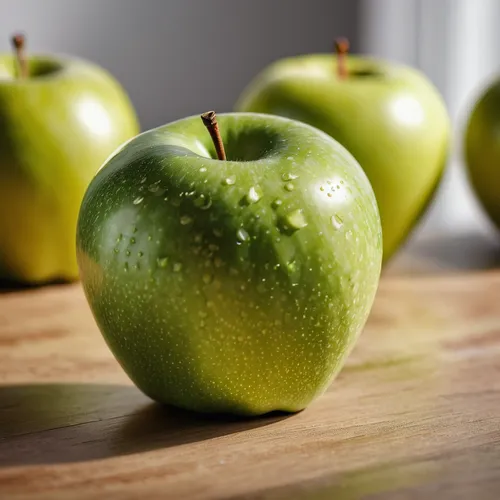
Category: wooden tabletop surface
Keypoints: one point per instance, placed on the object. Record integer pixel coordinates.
(414, 414)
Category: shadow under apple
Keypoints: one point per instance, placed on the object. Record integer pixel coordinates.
(59, 423)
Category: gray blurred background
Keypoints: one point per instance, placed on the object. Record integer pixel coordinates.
(180, 57)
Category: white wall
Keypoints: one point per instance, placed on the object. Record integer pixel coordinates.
(180, 57)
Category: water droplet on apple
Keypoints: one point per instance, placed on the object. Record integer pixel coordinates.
(253, 195)
(127, 253)
(295, 220)
(138, 200)
(322, 188)
(136, 266)
(289, 186)
(132, 240)
(154, 187)
(125, 266)
(291, 266)
(217, 232)
(229, 181)
(162, 262)
(204, 202)
(337, 221)
(207, 278)
(185, 220)
(328, 182)
(177, 267)
(276, 203)
(117, 250)
(329, 195)
(198, 238)
(289, 176)
(120, 236)
(289, 157)
(242, 235)
(150, 238)
(140, 254)
(203, 169)
(143, 180)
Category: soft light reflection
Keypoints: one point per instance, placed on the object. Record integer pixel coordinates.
(407, 110)
(94, 116)
(332, 192)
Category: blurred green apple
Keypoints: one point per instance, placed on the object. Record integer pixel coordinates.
(231, 285)
(388, 116)
(59, 121)
(482, 150)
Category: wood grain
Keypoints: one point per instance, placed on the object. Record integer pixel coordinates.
(414, 414)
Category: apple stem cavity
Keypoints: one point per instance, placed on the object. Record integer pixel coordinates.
(342, 49)
(18, 44)
(210, 121)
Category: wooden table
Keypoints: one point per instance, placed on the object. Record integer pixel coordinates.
(414, 414)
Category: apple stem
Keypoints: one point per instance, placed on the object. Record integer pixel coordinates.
(342, 49)
(18, 43)
(210, 121)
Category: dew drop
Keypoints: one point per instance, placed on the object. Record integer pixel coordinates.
(288, 176)
(150, 238)
(241, 235)
(162, 262)
(337, 221)
(127, 253)
(177, 267)
(329, 195)
(276, 203)
(204, 202)
(322, 188)
(291, 266)
(253, 195)
(229, 181)
(132, 240)
(289, 186)
(125, 267)
(203, 169)
(140, 254)
(138, 200)
(153, 188)
(295, 219)
(185, 220)
(120, 236)
(198, 238)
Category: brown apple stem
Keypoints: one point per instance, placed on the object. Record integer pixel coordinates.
(342, 49)
(210, 121)
(18, 43)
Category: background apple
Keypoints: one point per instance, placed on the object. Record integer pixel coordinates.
(235, 285)
(58, 124)
(388, 116)
(482, 150)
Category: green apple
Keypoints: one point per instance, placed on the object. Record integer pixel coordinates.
(388, 116)
(235, 285)
(482, 150)
(58, 124)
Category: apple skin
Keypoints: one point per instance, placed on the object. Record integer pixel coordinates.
(388, 116)
(233, 286)
(482, 150)
(57, 128)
